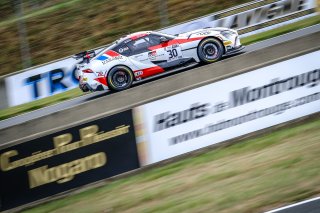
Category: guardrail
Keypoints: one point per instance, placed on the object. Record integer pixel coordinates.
(58, 76)
(102, 138)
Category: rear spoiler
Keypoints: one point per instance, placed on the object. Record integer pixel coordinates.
(85, 54)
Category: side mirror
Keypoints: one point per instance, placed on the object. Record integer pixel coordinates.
(163, 39)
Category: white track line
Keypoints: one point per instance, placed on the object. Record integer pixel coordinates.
(293, 205)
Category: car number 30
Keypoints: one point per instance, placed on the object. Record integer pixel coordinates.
(172, 53)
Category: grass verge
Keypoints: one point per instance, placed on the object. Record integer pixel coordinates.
(282, 30)
(28, 107)
(14, 111)
(252, 176)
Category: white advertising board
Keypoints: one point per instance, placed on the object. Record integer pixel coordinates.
(41, 82)
(252, 17)
(229, 108)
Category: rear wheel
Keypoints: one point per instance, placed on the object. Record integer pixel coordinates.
(210, 50)
(120, 78)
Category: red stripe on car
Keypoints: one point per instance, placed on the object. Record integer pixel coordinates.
(112, 53)
(135, 36)
(174, 41)
(151, 71)
(102, 80)
(87, 71)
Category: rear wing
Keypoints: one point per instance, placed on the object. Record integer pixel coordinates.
(85, 55)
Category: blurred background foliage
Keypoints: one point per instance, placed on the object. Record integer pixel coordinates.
(58, 28)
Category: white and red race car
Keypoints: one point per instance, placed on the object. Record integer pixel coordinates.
(144, 54)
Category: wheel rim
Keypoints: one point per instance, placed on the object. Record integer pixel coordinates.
(210, 51)
(120, 79)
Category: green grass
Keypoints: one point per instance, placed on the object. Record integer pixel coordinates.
(282, 30)
(13, 111)
(23, 108)
(252, 176)
(39, 12)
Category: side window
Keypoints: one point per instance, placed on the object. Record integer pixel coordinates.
(142, 44)
(123, 49)
(154, 39)
(139, 46)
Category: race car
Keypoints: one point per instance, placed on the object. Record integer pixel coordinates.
(144, 54)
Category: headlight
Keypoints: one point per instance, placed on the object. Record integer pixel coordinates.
(228, 34)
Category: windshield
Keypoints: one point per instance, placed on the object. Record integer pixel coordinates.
(164, 34)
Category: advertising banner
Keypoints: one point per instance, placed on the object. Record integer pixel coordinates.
(229, 108)
(67, 159)
(251, 18)
(43, 81)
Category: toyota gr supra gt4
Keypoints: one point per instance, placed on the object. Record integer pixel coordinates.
(144, 54)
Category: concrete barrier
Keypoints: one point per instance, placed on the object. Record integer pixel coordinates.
(158, 89)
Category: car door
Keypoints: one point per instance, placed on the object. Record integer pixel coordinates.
(143, 58)
(140, 52)
(167, 51)
(153, 56)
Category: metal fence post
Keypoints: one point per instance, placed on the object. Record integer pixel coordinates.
(163, 12)
(23, 36)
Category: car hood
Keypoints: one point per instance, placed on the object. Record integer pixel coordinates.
(211, 29)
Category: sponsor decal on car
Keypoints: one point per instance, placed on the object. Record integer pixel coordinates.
(121, 50)
(102, 57)
(138, 73)
(175, 45)
(152, 55)
(110, 56)
(203, 33)
(120, 57)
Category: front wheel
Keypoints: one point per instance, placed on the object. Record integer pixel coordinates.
(120, 78)
(210, 50)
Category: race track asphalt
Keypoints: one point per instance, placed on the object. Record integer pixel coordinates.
(307, 206)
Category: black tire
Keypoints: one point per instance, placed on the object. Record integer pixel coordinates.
(210, 50)
(84, 88)
(120, 78)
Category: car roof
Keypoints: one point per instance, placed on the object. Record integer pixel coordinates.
(129, 37)
(134, 36)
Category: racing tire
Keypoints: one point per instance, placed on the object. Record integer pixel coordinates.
(119, 78)
(84, 88)
(210, 50)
